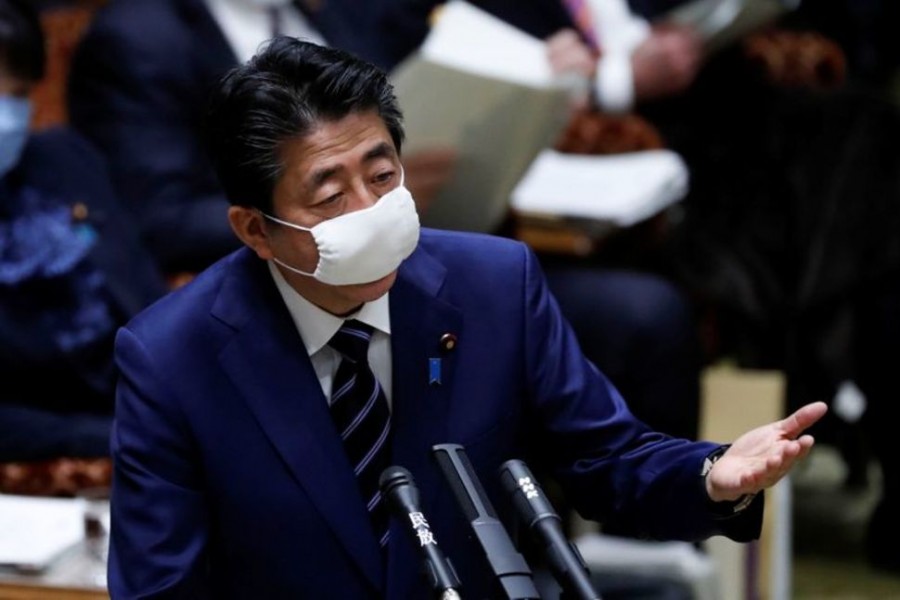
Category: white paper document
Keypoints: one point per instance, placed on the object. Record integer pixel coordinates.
(485, 89)
(468, 39)
(35, 531)
(622, 189)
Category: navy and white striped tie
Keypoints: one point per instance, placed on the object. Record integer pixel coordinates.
(362, 418)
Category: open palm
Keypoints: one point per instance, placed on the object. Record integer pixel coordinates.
(761, 457)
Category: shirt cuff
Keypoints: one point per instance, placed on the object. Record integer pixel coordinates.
(614, 83)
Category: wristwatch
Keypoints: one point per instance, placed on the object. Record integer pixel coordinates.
(725, 508)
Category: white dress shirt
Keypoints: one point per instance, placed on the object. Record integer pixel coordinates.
(620, 32)
(247, 23)
(317, 327)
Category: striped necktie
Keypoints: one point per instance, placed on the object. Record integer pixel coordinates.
(581, 14)
(362, 418)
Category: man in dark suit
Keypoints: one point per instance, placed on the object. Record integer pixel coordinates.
(72, 269)
(258, 402)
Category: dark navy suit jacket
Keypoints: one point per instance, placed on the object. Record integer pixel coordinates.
(138, 89)
(231, 481)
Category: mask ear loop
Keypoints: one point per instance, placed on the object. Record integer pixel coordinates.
(285, 223)
(292, 269)
(275, 259)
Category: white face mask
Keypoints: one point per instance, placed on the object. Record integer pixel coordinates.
(365, 245)
(15, 113)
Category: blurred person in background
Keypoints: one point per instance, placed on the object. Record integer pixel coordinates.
(72, 269)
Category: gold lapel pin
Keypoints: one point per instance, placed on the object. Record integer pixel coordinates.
(448, 342)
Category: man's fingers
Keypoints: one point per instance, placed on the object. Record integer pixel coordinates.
(802, 419)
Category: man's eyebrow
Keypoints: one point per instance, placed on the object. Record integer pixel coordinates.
(382, 150)
(319, 177)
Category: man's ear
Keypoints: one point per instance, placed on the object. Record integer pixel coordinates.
(247, 224)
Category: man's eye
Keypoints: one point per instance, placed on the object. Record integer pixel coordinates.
(385, 177)
(330, 200)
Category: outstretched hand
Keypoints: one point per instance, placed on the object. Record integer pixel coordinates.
(761, 457)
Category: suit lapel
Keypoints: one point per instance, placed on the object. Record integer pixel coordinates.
(268, 364)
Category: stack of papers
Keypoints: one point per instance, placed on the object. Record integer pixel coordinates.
(35, 531)
(620, 189)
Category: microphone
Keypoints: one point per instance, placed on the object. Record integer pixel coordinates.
(508, 565)
(402, 498)
(533, 507)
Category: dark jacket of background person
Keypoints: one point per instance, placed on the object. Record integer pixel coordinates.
(137, 89)
(72, 270)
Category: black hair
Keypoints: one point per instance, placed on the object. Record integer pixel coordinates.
(22, 52)
(283, 93)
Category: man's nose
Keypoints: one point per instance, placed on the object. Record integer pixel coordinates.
(364, 197)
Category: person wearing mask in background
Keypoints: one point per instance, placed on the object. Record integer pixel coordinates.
(72, 269)
(259, 403)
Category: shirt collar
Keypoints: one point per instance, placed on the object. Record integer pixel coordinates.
(317, 326)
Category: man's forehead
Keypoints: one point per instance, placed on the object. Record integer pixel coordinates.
(335, 145)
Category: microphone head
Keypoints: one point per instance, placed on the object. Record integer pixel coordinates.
(528, 497)
(394, 476)
(398, 488)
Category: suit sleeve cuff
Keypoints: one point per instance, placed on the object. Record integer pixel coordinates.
(727, 508)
